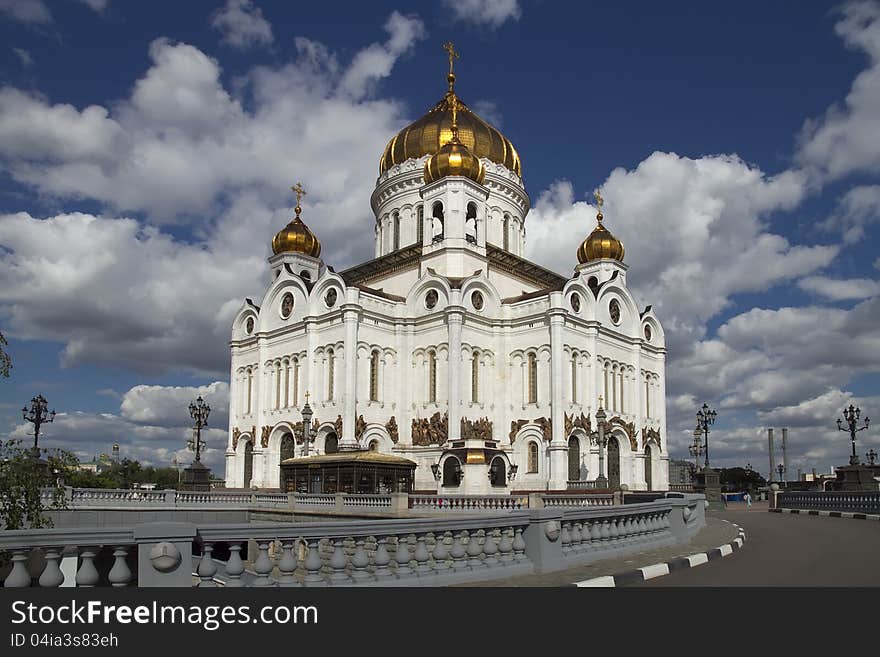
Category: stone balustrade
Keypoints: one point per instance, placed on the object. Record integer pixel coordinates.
(468, 503)
(845, 501)
(428, 551)
(596, 499)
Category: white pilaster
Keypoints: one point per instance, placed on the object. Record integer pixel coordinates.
(350, 318)
(558, 470)
(453, 322)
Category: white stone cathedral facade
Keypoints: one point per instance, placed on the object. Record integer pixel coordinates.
(450, 348)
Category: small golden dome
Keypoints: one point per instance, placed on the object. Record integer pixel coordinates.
(600, 244)
(296, 237)
(454, 159)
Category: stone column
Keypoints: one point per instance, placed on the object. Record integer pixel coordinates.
(558, 447)
(349, 410)
(454, 321)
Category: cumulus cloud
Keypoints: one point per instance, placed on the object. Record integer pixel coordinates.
(847, 139)
(486, 13)
(859, 207)
(840, 289)
(242, 24)
(27, 11)
(24, 57)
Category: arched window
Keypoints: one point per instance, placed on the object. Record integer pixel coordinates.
(475, 379)
(451, 472)
(286, 383)
(497, 472)
(432, 376)
(420, 224)
(647, 399)
(437, 214)
(574, 459)
(470, 223)
(374, 376)
(248, 473)
(622, 409)
(277, 385)
(288, 447)
(533, 379)
(396, 230)
(296, 381)
(506, 229)
(250, 389)
(331, 367)
(607, 399)
(533, 457)
(574, 379)
(331, 444)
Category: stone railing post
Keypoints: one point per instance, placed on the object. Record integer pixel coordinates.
(536, 501)
(542, 538)
(291, 500)
(165, 553)
(399, 503)
(340, 501)
(170, 497)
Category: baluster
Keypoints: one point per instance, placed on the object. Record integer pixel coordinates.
(19, 577)
(288, 563)
(474, 550)
(596, 534)
(120, 574)
(458, 552)
(87, 575)
(505, 547)
(359, 562)
(441, 552)
(566, 539)
(576, 537)
(52, 576)
(381, 559)
(206, 568)
(613, 531)
(626, 530)
(490, 549)
(338, 562)
(313, 566)
(421, 556)
(234, 567)
(263, 565)
(519, 546)
(402, 557)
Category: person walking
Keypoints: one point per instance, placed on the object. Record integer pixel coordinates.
(748, 499)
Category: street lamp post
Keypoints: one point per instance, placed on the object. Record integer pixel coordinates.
(872, 456)
(307, 426)
(705, 419)
(851, 415)
(199, 411)
(38, 414)
(696, 449)
(601, 440)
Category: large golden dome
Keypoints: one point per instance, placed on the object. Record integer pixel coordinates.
(296, 237)
(600, 244)
(434, 130)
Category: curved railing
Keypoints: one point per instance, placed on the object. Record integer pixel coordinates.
(867, 502)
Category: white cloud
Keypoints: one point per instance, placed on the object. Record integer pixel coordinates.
(169, 406)
(96, 5)
(847, 138)
(839, 289)
(26, 11)
(242, 24)
(489, 13)
(859, 207)
(24, 56)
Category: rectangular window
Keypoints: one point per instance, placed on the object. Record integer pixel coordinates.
(432, 377)
(533, 379)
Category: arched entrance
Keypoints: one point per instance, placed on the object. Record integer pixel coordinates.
(331, 443)
(613, 463)
(248, 464)
(374, 446)
(574, 459)
(288, 450)
(452, 472)
(497, 473)
(649, 470)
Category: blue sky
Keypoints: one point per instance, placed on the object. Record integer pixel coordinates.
(737, 147)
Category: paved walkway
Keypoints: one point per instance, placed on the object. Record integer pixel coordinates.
(716, 532)
(790, 550)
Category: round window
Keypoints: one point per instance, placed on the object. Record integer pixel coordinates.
(249, 325)
(477, 300)
(431, 299)
(614, 311)
(576, 302)
(286, 305)
(647, 333)
(330, 297)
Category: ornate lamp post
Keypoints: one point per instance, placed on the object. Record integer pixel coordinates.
(38, 415)
(199, 411)
(780, 469)
(705, 419)
(851, 415)
(307, 426)
(872, 456)
(601, 440)
(696, 449)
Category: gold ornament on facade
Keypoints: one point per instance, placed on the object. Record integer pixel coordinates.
(296, 237)
(434, 130)
(600, 244)
(573, 421)
(650, 434)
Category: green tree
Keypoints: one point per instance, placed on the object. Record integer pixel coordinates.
(24, 476)
(5, 360)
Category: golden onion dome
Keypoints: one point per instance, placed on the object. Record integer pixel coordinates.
(600, 244)
(434, 130)
(296, 237)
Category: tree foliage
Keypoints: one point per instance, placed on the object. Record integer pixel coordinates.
(30, 484)
(741, 479)
(125, 474)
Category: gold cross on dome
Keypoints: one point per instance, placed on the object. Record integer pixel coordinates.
(449, 47)
(299, 190)
(599, 200)
(307, 396)
(600, 401)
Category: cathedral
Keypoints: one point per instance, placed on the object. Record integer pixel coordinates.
(449, 350)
